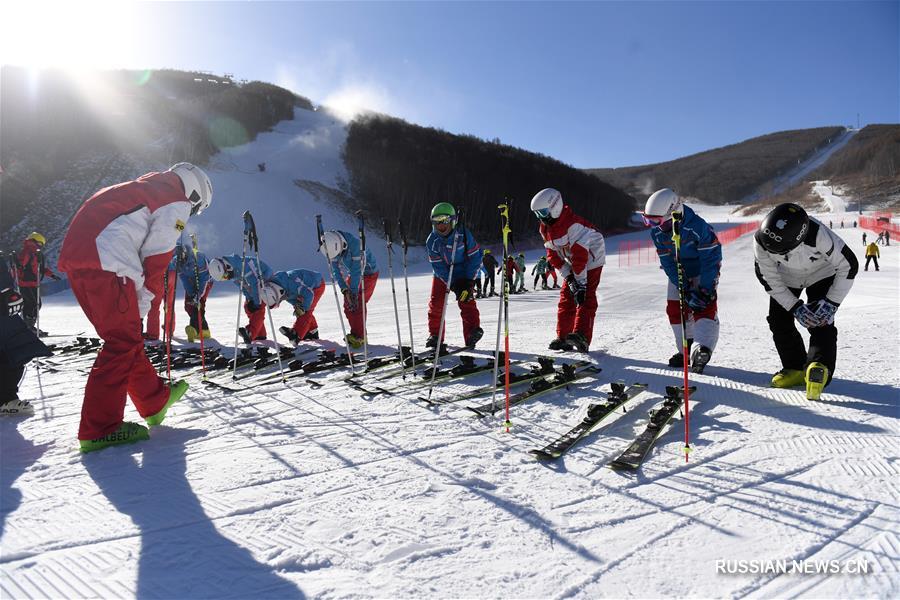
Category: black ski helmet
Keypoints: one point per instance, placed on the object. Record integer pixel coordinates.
(783, 229)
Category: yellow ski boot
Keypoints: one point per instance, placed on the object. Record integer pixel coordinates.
(206, 334)
(816, 378)
(788, 378)
(192, 334)
(355, 341)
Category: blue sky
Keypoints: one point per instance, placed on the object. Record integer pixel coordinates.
(594, 84)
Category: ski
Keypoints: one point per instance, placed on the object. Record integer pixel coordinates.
(466, 367)
(596, 413)
(422, 360)
(544, 367)
(632, 457)
(563, 377)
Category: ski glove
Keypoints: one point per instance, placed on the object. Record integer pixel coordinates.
(11, 301)
(351, 300)
(462, 288)
(824, 311)
(577, 289)
(806, 316)
(699, 299)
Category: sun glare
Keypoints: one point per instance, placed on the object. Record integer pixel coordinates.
(67, 35)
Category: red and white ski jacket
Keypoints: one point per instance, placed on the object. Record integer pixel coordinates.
(129, 229)
(573, 245)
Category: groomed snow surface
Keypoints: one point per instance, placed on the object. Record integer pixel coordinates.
(288, 491)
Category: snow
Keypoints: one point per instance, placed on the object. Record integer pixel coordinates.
(835, 202)
(290, 491)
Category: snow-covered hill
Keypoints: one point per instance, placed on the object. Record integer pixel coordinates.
(289, 491)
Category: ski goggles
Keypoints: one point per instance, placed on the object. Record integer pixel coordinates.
(654, 220)
(442, 220)
(542, 213)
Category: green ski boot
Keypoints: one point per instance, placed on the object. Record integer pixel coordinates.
(816, 378)
(127, 433)
(176, 391)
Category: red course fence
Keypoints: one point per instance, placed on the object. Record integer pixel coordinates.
(877, 225)
(643, 252)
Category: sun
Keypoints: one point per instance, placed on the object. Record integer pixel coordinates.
(67, 35)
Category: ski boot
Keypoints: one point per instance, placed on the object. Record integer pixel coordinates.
(559, 344)
(473, 338)
(16, 408)
(290, 334)
(788, 378)
(578, 342)
(816, 380)
(677, 359)
(431, 342)
(127, 433)
(312, 334)
(356, 342)
(192, 334)
(245, 335)
(176, 392)
(699, 358)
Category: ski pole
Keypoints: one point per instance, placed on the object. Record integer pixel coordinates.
(405, 246)
(241, 284)
(676, 239)
(320, 232)
(440, 339)
(504, 311)
(362, 284)
(390, 252)
(198, 308)
(166, 335)
(254, 245)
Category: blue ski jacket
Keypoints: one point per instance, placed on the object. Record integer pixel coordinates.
(185, 270)
(252, 277)
(466, 261)
(299, 285)
(349, 263)
(701, 253)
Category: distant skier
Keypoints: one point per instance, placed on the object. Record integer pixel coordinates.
(230, 268)
(512, 273)
(466, 260)
(489, 264)
(864, 238)
(577, 249)
(116, 245)
(351, 272)
(701, 259)
(18, 344)
(539, 270)
(872, 254)
(31, 269)
(302, 289)
(880, 238)
(887, 237)
(519, 284)
(795, 252)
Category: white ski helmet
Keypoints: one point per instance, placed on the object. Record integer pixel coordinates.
(220, 270)
(271, 293)
(547, 205)
(662, 203)
(197, 186)
(333, 245)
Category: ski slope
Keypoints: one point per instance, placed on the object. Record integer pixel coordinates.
(289, 491)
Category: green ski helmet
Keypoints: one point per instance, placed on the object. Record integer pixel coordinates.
(443, 212)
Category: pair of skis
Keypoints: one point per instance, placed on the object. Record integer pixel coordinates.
(631, 458)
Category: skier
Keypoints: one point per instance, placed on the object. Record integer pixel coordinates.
(701, 258)
(18, 344)
(794, 251)
(887, 237)
(465, 261)
(489, 263)
(577, 249)
(31, 269)
(512, 273)
(880, 238)
(188, 272)
(229, 268)
(351, 272)
(864, 238)
(539, 270)
(872, 254)
(302, 289)
(520, 273)
(117, 243)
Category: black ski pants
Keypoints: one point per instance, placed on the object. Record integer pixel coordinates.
(874, 259)
(488, 279)
(10, 376)
(789, 343)
(30, 305)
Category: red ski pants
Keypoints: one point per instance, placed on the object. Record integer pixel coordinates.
(307, 322)
(571, 318)
(257, 315)
(468, 310)
(152, 328)
(355, 318)
(121, 367)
